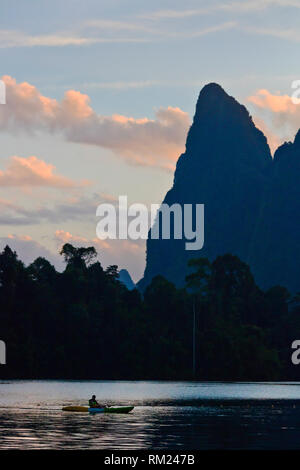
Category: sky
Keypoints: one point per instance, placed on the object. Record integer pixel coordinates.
(100, 96)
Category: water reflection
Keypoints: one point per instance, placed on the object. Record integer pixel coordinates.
(166, 416)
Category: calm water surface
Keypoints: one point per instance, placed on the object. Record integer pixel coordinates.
(167, 415)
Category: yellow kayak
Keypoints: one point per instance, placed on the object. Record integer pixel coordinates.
(76, 408)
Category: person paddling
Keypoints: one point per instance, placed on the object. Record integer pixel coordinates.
(94, 404)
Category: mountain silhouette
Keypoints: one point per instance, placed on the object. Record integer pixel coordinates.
(227, 166)
(125, 278)
(275, 256)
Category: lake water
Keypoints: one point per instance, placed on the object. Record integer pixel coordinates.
(167, 415)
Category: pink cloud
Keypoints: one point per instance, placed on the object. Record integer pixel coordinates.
(66, 237)
(31, 171)
(150, 142)
(276, 103)
(276, 115)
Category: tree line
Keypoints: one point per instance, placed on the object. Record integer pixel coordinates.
(83, 323)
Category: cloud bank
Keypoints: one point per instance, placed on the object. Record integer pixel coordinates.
(282, 113)
(31, 172)
(76, 208)
(149, 142)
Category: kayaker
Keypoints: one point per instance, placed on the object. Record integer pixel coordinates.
(94, 404)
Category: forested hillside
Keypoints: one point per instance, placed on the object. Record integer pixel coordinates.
(83, 323)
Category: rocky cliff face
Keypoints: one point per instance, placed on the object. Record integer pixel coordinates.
(252, 203)
(275, 253)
